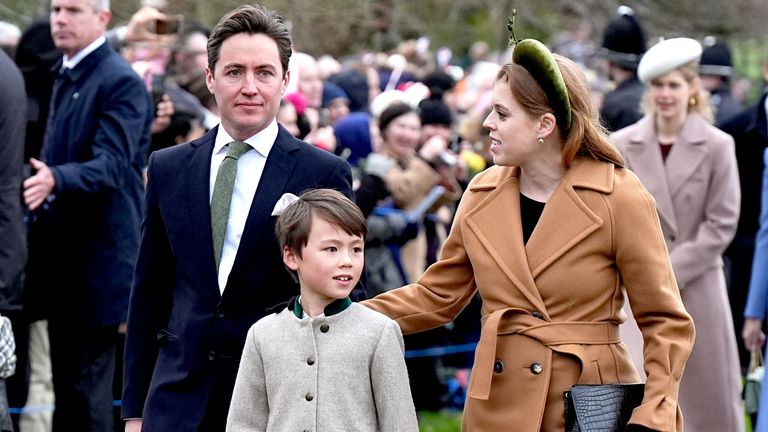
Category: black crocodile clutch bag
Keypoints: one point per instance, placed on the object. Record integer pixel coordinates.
(601, 408)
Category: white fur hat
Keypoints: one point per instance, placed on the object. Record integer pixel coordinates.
(666, 56)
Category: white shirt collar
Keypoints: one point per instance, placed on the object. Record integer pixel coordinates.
(262, 142)
(70, 63)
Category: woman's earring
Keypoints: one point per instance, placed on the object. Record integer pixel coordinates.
(540, 140)
(692, 101)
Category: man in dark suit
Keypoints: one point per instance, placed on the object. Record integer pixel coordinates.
(750, 133)
(192, 302)
(13, 248)
(88, 188)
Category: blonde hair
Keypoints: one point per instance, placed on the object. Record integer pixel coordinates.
(586, 136)
(698, 103)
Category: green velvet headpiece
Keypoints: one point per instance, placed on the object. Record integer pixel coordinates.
(536, 58)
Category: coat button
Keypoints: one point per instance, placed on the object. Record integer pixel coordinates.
(498, 367)
(212, 355)
(537, 315)
(310, 361)
(309, 397)
(536, 368)
(324, 328)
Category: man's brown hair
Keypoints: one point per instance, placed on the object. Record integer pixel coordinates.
(250, 19)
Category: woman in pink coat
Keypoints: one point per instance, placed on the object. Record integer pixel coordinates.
(690, 168)
(548, 237)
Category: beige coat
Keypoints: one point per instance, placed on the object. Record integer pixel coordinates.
(698, 198)
(551, 308)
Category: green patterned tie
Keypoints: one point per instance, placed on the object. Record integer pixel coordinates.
(222, 195)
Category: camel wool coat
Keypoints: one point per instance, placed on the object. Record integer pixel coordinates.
(551, 307)
(698, 197)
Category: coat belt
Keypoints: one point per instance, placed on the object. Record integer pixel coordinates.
(519, 321)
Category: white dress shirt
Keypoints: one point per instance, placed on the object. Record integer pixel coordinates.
(250, 166)
(70, 63)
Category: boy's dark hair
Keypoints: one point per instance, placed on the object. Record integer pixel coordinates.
(251, 19)
(293, 225)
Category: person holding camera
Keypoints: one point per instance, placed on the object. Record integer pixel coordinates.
(398, 179)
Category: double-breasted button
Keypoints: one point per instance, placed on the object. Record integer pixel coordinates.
(310, 361)
(324, 328)
(537, 315)
(498, 366)
(309, 397)
(536, 368)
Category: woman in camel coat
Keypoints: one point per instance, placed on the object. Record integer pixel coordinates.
(548, 237)
(690, 168)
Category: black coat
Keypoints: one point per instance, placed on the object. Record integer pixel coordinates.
(96, 144)
(726, 107)
(748, 130)
(13, 122)
(621, 107)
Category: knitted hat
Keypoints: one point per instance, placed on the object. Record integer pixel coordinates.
(438, 83)
(353, 136)
(298, 100)
(667, 56)
(623, 39)
(332, 92)
(355, 85)
(716, 58)
(435, 112)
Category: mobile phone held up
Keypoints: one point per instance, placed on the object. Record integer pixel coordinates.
(158, 89)
(170, 25)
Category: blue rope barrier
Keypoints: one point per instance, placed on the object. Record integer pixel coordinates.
(428, 352)
(441, 351)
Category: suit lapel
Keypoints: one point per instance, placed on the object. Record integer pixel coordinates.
(644, 158)
(566, 219)
(687, 154)
(504, 242)
(199, 207)
(277, 172)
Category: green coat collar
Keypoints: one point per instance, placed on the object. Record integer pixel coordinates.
(333, 308)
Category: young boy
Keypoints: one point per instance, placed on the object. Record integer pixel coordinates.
(324, 363)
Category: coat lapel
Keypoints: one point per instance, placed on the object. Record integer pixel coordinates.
(277, 171)
(566, 219)
(505, 244)
(198, 204)
(687, 154)
(644, 159)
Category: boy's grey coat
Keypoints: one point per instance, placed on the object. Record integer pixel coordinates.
(295, 376)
